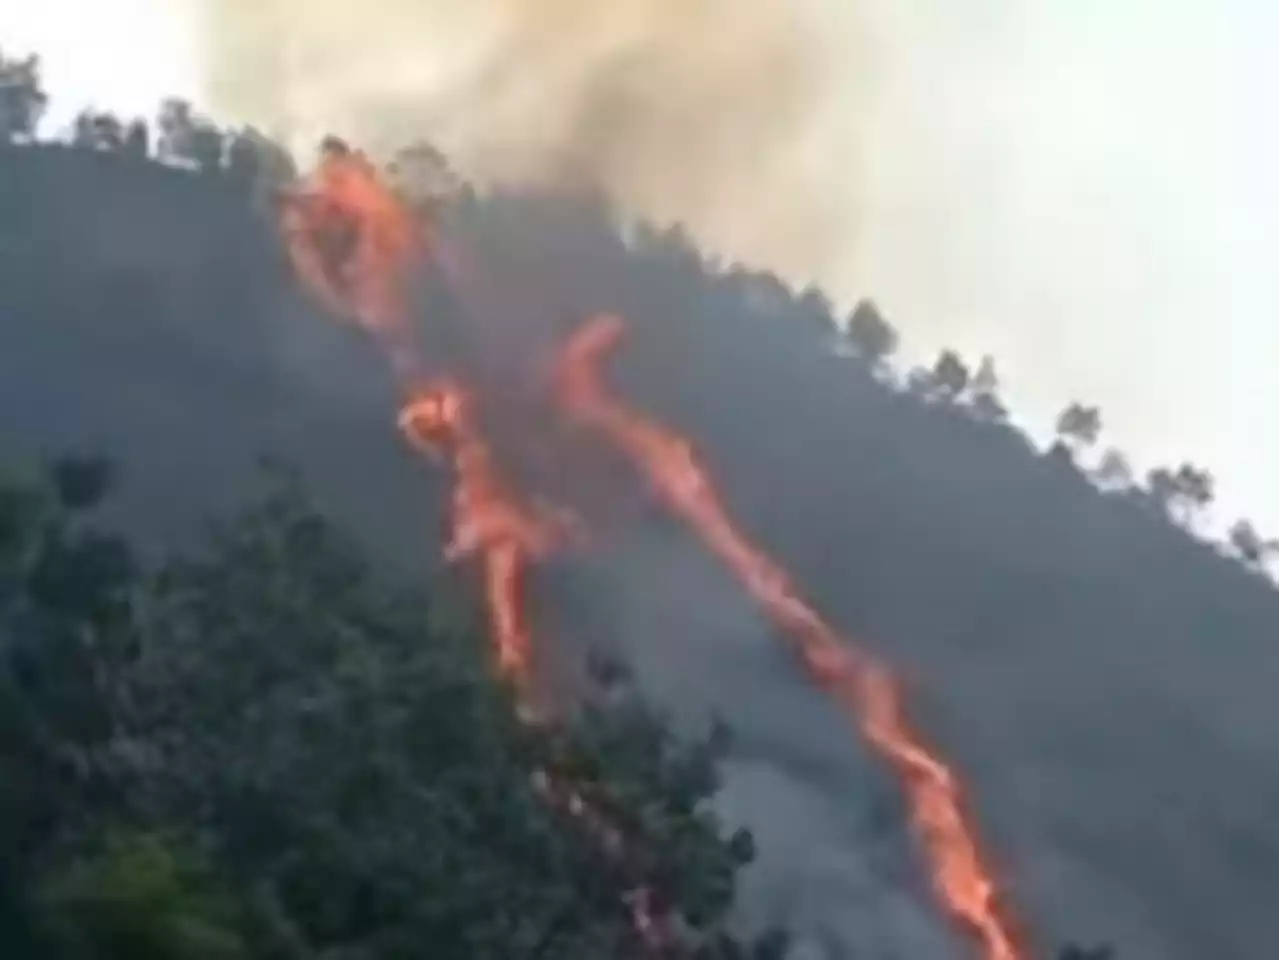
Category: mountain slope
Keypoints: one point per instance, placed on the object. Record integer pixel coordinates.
(1102, 680)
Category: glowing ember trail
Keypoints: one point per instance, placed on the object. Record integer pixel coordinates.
(865, 687)
(356, 246)
(354, 243)
(486, 519)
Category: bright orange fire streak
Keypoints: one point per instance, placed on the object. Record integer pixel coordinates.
(486, 519)
(865, 687)
(366, 280)
(354, 244)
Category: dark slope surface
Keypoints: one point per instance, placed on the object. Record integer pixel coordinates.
(144, 314)
(1104, 682)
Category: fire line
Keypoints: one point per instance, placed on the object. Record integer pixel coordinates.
(863, 686)
(353, 243)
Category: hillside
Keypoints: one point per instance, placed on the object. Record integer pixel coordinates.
(1102, 679)
(174, 282)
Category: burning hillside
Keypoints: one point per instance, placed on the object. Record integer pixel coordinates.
(359, 248)
(1090, 684)
(728, 116)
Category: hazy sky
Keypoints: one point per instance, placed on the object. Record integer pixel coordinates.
(118, 54)
(1090, 191)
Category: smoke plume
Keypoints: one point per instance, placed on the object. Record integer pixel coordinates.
(720, 114)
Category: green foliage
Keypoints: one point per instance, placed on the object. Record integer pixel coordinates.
(65, 605)
(295, 699)
(361, 786)
(65, 609)
(357, 781)
(141, 896)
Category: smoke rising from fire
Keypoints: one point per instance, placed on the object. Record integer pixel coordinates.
(719, 114)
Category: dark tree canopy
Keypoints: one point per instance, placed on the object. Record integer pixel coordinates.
(1181, 493)
(259, 747)
(22, 97)
(950, 376)
(264, 751)
(189, 138)
(137, 139)
(869, 333)
(1113, 471)
(1079, 425)
(1254, 549)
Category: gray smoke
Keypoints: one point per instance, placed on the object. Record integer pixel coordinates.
(720, 114)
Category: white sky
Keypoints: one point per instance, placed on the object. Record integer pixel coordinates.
(1089, 190)
(123, 55)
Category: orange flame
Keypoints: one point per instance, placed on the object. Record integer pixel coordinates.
(961, 878)
(353, 243)
(490, 522)
(648, 919)
(487, 520)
